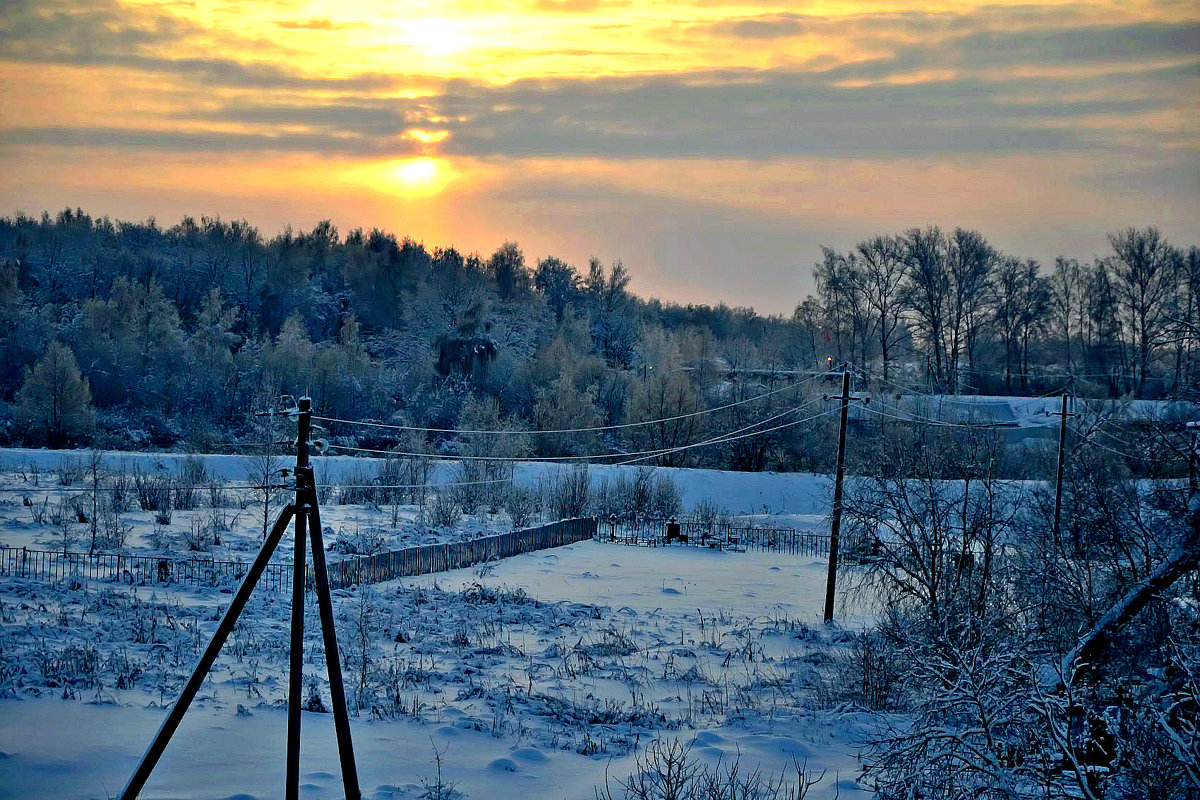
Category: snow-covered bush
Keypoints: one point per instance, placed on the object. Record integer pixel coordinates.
(707, 514)
(153, 490)
(522, 506)
(667, 498)
(358, 488)
(667, 770)
(568, 492)
(445, 509)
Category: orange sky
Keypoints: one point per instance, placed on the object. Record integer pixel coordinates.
(711, 146)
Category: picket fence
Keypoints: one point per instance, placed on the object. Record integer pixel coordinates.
(55, 566)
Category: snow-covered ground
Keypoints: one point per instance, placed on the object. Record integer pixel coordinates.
(737, 492)
(533, 676)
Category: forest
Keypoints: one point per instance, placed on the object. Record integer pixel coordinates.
(130, 335)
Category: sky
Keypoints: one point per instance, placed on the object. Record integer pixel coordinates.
(711, 146)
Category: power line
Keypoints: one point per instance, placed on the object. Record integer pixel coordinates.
(592, 429)
(172, 487)
(946, 398)
(1086, 438)
(911, 417)
(581, 458)
(429, 485)
(725, 438)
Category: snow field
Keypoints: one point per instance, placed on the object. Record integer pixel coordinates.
(532, 673)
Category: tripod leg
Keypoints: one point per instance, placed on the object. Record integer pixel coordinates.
(167, 730)
(337, 693)
(296, 668)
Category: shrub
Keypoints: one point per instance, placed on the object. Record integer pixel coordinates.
(193, 473)
(153, 491)
(667, 498)
(359, 489)
(668, 771)
(707, 515)
(444, 510)
(568, 493)
(120, 491)
(70, 471)
(521, 505)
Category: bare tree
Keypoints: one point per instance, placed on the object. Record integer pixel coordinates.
(1068, 286)
(971, 262)
(95, 471)
(882, 259)
(263, 466)
(927, 290)
(1020, 302)
(1143, 264)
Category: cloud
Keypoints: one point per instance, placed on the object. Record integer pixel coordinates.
(790, 113)
(205, 141)
(722, 114)
(107, 34)
(989, 81)
(767, 27)
(317, 24)
(364, 116)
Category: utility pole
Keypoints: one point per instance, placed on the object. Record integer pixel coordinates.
(1193, 430)
(299, 573)
(305, 510)
(1062, 446)
(839, 478)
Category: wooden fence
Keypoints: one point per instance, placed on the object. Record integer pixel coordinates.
(719, 536)
(441, 557)
(48, 565)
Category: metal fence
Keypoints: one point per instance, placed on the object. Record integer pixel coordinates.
(718, 536)
(48, 565)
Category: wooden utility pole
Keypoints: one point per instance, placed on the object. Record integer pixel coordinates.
(839, 477)
(1193, 431)
(305, 511)
(1058, 484)
(299, 573)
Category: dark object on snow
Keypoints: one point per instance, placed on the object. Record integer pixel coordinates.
(468, 357)
(674, 534)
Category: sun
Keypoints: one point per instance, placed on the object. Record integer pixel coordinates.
(437, 37)
(420, 176)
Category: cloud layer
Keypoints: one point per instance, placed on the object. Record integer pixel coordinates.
(1098, 95)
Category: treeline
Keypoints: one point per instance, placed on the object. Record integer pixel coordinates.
(966, 318)
(139, 335)
(155, 336)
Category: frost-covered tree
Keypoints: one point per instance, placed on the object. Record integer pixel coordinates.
(55, 398)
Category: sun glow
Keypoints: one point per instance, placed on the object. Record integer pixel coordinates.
(437, 37)
(427, 136)
(421, 176)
